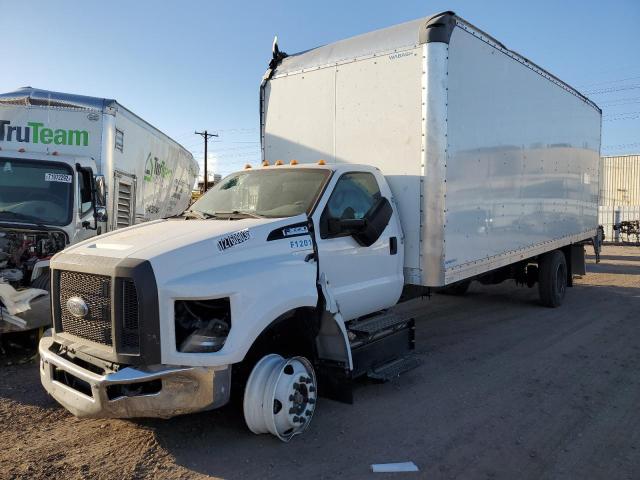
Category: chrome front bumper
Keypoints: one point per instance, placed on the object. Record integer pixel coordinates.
(183, 389)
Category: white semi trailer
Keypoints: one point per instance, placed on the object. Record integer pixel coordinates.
(422, 156)
(72, 167)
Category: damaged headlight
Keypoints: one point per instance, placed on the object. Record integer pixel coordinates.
(202, 326)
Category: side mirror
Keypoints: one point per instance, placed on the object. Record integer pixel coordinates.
(375, 221)
(101, 192)
(101, 214)
(100, 202)
(346, 225)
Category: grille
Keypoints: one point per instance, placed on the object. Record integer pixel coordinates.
(95, 290)
(130, 336)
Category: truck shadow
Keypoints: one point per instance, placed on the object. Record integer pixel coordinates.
(623, 258)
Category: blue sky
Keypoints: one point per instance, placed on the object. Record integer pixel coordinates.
(197, 64)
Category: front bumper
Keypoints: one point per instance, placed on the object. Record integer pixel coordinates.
(121, 394)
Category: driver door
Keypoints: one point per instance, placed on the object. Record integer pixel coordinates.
(360, 279)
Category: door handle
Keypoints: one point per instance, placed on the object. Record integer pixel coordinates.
(393, 245)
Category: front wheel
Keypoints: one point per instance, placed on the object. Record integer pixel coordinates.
(552, 278)
(280, 396)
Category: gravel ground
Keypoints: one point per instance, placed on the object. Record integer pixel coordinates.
(508, 389)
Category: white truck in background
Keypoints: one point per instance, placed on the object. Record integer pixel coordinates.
(72, 167)
(425, 155)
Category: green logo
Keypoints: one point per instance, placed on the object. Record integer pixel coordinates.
(155, 168)
(42, 135)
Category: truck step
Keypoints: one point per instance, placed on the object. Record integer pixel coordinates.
(394, 368)
(378, 323)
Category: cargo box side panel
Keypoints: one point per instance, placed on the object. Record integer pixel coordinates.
(522, 165)
(162, 171)
(299, 117)
(378, 123)
(365, 111)
(68, 131)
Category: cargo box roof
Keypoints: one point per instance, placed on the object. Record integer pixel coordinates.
(29, 96)
(435, 28)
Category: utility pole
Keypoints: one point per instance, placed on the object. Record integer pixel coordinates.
(206, 135)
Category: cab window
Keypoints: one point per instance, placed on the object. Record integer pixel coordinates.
(353, 196)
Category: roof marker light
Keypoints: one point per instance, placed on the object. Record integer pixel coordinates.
(294, 162)
(279, 162)
(21, 150)
(55, 154)
(247, 166)
(265, 163)
(321, 162)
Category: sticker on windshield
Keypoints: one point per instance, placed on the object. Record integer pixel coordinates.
(58, 177)
(233, 239)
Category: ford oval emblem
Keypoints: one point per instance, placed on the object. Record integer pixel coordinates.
(77, 307)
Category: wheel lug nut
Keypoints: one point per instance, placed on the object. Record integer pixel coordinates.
(311, 401)
(292, 410)
(312, 389)
(308, 412)
(296, 386)
(291, 398)
(296, 419)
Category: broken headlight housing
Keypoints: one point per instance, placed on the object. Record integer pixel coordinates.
(202, 326)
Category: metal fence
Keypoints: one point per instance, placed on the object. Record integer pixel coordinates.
(608, 216)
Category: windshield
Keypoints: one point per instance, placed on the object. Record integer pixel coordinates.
(35, 191)
(265, 193)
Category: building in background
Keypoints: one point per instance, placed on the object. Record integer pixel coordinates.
(199, 190)
(619, 193)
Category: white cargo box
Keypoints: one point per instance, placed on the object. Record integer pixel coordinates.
(491, 159)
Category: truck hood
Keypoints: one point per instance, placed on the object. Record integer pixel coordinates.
(150, 240)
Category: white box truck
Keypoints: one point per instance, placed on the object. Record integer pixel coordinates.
(421, 156)
(72, 167)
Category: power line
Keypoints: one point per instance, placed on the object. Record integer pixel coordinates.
(610, 89)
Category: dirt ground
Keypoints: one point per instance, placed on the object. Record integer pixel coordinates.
(508, 389)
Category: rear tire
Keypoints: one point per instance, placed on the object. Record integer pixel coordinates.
(552, 278)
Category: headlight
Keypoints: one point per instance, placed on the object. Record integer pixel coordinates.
(202, 326)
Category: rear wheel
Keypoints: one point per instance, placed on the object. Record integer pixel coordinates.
(280, 396)
(552, 278)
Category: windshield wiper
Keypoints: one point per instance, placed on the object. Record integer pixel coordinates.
(238, 213)
(22, 216)
(196, 214)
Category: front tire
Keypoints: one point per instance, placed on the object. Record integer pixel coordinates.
(280, 396)
(552, 279)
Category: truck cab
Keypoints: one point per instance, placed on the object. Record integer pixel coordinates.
(269, 266)
(73, 167)
(47, 201)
